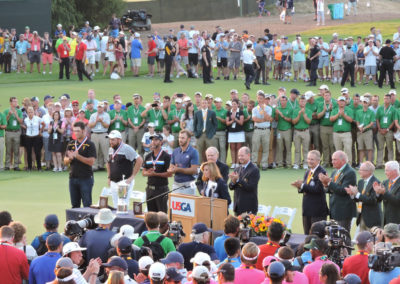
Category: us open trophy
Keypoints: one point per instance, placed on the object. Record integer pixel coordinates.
(123, 197)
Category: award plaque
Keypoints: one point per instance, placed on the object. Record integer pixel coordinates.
(103, 202)
(137, 208)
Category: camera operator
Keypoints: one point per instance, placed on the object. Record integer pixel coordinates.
(97, 241)
(391, 234)
(318, 248)
(231, 230)
(200, 243)
(358, 263)
(381, 270)
(304, 256)
(275, 234)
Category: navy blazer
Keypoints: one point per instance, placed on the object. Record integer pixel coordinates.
(211, 123)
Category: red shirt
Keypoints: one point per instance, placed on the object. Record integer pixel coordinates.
(395, 281)
(183, 43)
(80, 51)
(151, 46)
(357, 264)
(270, 248)
(13, 264)
(63, 52)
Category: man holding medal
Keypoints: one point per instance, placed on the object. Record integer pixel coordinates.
(314, 201)
(156, 164)
(80, 155)
(122, 160)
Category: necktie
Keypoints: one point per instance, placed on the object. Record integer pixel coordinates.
(204, 120)
(390, 184)
(310, 176)
(337, 176)
(364, 187)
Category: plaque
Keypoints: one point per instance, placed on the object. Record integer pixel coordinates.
(103, 202)
(137, 208)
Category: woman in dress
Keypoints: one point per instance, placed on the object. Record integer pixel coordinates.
(360, 64)
(119, 57)
(236, 137)
(56, 141)
(33, 125)
(67, 124)
(187, 122)
(110, 55)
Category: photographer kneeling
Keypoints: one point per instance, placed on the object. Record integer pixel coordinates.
(384, 264)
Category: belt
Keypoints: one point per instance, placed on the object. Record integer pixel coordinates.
(98, 132)
(342, 131)
(324, 55)
(259, 128)
(12, 130)
(302, 130)
(391, 60)
(154, 187)
(365, 130)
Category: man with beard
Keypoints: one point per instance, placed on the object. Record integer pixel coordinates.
(123, 161)
(156, 164)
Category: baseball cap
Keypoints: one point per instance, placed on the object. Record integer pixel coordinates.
(75, 102)
(260, 92)
(316, 244)
(34, 99)
(136, 34)
(199, 228)
(96, 28)
(229, 103)
(198, 94)
(364, 99)
(116, 261)
(70, 247)
(90, 101)
(63, 97)
(114, 134)
(234, 91)
(187, 99)
(173, 257)
(392, 92)
(289, 266)
(57, 104)
(64, 262)
(295, 91)
(144, 262)
(388, 41)
(54, 240)
(46, 97)
(125, 244)
(227, 269)
(341, 98)
(209, 96)
(156, 136)
(67, 109)
(151, 124)
(391, 230)
(268, 260)
(100, 104)
(118, 101)
(178, 101)
(364, 237)
(352, 279)
(282, 88)
(172, 274)
(218, 100)
(200, 258)
(51, 220)
(324, 87)
(276, 270)
(309, 95)
(157, 271)
(128, 231)
(344, 90)
(200, 273)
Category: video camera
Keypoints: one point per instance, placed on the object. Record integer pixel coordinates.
(385, 259)
(74, 230)
(244, 230)
(175, 232)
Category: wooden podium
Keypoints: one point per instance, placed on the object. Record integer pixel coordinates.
(190, 209)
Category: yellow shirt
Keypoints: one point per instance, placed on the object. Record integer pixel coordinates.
(1, 44)
(72, 44)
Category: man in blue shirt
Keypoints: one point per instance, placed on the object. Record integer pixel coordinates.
(42, 267)
(232, 248)
(222, 56)
(184, 164)
(231, 230)
(51, 225)
(136, 61)
(97, 241)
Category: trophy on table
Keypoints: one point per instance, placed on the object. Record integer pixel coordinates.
(123, 197)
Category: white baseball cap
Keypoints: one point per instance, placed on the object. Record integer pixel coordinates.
(96, 28)
(187, 99)
(209, 96)
(144, 261)
(200, 258)
(364, 99)
(234, 91)
(344, 90)
(114, 134)
(260, 92)
(136, 34)
(201, 273)
(341, 98)
(392, 92)
(157, 271)
(218, 100)
(70, 247)
(128, 231)
(309, 95)
(178, 101)
(324, 87)
(229, 103)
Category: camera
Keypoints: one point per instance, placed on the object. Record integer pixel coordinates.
(286, 238)
(74, 230)
(244, 230)
(179, 95)
(175, 232)
(385, 259)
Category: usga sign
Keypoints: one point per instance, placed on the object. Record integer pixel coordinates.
(182, 206)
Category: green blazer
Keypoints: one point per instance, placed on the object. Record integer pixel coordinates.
(391, 202)
(342, 207)
(371, 211)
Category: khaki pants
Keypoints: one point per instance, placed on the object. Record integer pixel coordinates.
(12, 148)
(326, 134)
(202, 144)
(220, 139)
(248, 135)
(284, 141)
(135, 139)
(261, 138)
(382, 139)
(315, 136)
(124, 135)
(343, 142)
(102, 145)
(272, 146)
(2, 153)
(301, 139)
(176, 139)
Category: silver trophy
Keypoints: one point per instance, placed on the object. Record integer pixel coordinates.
(123, 197)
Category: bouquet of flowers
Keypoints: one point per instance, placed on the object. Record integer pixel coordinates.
(259, 224)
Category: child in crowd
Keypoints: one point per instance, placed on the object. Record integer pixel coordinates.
(146, 138)
(168, 139)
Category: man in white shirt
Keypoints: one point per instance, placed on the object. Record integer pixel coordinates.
(248, 59)
(371, 53)
(91, 54)
(103, 47)
(396, 36)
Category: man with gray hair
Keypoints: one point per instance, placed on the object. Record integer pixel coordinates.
(369, 207)
(391, 233)
(342, 207)
(389, 192)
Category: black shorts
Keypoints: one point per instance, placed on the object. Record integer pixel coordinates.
(308, 63)
(162, 62)
(193, 59)
(34, 57)
(1, 58)
(222, 62)
(151, 60)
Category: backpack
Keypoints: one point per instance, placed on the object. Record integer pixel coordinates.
(155, 247)
(42, 248)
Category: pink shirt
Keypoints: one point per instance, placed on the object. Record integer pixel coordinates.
(248, 275)
(312, 270)
(299, 278)
(35, 44)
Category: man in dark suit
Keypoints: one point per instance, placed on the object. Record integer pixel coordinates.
(314, 200)
(244, 181)
(342, 207)
(212, 155)
(369, 208)
(389, 192)
(205, 126)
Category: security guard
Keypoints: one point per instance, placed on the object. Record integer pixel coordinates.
(169, 57)
(386, 55)
(349, 61)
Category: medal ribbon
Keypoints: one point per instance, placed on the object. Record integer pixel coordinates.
(158, 157)
(116, 152)
(80, 145)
